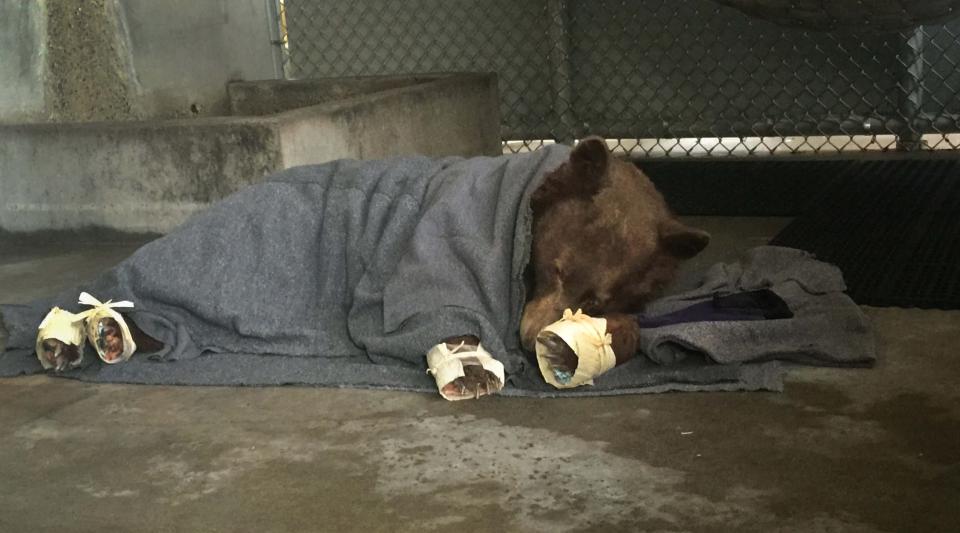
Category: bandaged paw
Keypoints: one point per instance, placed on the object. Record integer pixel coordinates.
(67, 328)
(107, 346)
(464, 372)
(587, 337)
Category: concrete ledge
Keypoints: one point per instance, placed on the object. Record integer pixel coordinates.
(149, 176)
(274, 96)
(451, 115)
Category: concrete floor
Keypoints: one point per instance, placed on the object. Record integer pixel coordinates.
(841, 450)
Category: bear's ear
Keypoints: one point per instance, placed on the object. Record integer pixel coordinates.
(682, 241)
(589, 161)
(580, 177)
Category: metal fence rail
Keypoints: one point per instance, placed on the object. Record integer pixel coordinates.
(660, 77)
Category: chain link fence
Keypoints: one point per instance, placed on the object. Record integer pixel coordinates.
(656, 77)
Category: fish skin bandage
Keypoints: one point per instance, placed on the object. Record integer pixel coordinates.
(588, 338)
(106, 310)
(446, 365)
(65, 327)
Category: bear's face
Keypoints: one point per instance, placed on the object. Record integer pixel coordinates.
(604, 240)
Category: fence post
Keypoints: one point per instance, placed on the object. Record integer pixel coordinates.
(564, 119)
(911, 106)
(277, 38)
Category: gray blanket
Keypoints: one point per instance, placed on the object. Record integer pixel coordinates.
(346, 273)
(827, 328)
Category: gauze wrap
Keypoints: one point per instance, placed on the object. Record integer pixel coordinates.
(106, 310)
(446, 365)
(65, 327)
(588, 338)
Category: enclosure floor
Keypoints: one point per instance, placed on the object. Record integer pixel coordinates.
(840, 450)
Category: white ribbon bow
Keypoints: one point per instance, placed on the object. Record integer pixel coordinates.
(87, 299)
(601, 340)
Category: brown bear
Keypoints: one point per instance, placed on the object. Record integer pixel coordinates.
(604, 241)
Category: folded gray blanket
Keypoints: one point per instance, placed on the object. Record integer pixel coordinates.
(826, 328)
(346, 273)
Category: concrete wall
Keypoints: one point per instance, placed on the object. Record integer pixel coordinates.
(183, 52)
(64, 60)
(131, 176)
(453, 115)
(149, 176)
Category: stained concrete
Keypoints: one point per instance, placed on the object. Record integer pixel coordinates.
(841, 450)
(87, 76)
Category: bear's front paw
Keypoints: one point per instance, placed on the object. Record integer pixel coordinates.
(58, 356)
(475, 382)
(558, 354)
(574, 350)
(109, 339)
(464, 372)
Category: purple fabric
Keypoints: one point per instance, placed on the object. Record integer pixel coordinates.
(762, 304)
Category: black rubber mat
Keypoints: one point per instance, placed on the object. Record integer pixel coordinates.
(893, 227)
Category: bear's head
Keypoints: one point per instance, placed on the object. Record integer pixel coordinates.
(604, 240)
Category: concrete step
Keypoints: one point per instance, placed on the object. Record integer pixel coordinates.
(149, 176)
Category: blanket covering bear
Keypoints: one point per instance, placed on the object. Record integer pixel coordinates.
(347, 273)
